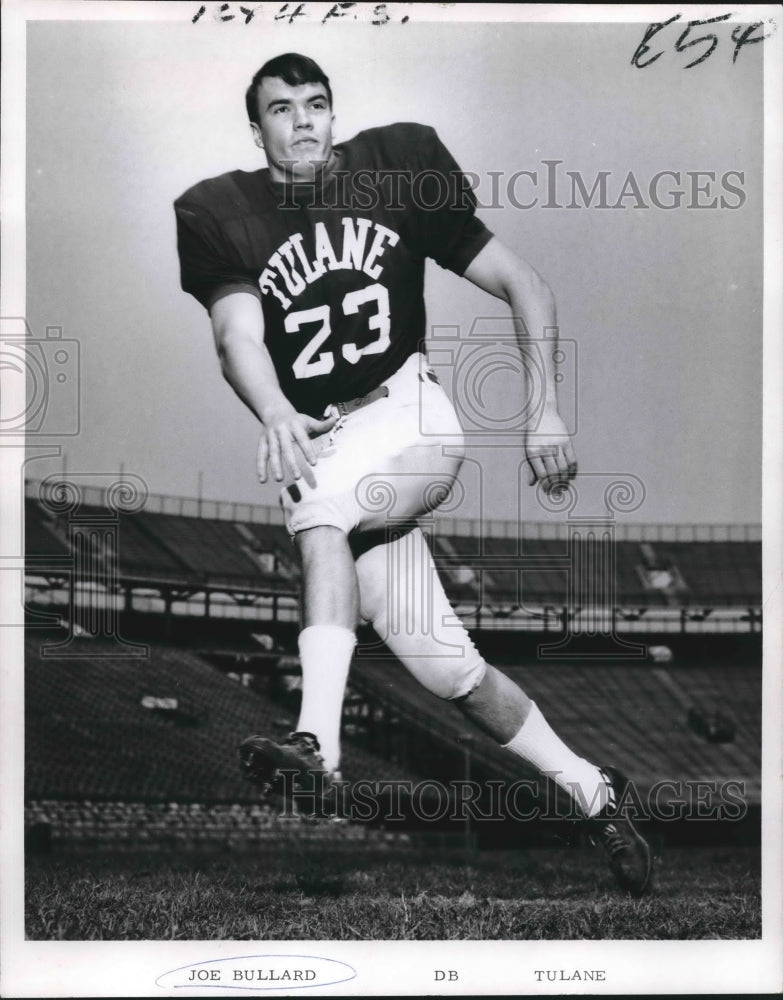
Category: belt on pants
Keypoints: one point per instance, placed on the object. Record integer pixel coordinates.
(350, 405)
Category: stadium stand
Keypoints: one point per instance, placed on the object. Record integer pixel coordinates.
(717, 572)
(500, 572)
(643, 725)
(647, 574)
(416, 710)
(177, 825)
(99, 763)
(170, 547)
(41, 533)
(272, 538)
(203, 545)
(101, 766)
(89, 735)
(615, 714)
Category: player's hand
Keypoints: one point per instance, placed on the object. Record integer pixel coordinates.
(285, 446)
(550, 453)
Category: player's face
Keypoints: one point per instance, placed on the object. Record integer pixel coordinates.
(296, 127)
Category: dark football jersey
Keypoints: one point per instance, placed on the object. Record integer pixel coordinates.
(338, 265)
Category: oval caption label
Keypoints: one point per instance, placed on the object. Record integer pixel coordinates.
(258, 972)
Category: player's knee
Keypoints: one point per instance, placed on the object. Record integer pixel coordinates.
(449, 677)
(304, 515)
(466, 680)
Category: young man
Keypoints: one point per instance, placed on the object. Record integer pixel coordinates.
(312, 271)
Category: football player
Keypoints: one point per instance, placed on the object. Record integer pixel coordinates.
(312, 271)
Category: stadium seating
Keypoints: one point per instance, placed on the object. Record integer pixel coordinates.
(141, 553)
(717, 572)
(612, 714)
(274, 538)
(389, 683)
(103, 767)
(726, 573)
(625, 715)
(177, 548)
(204, 546)
(488, 572)
(89, 737)
(41, 535)
(133, 825)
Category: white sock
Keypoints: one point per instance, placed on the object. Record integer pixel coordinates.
(539, 744)
(326, 652)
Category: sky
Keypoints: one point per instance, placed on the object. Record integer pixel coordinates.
(659, 308)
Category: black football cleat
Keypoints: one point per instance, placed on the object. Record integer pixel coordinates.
(627, 850)
(293, 765)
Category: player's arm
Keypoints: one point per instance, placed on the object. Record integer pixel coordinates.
(238, 327)
(498, 270)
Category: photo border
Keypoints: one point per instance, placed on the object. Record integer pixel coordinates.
(60, 969)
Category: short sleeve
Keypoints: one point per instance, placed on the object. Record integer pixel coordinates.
(448, 227)
(207, 270)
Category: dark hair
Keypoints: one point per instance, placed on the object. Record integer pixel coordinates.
(294, 70)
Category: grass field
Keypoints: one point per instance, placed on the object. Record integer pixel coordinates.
(318, 894)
